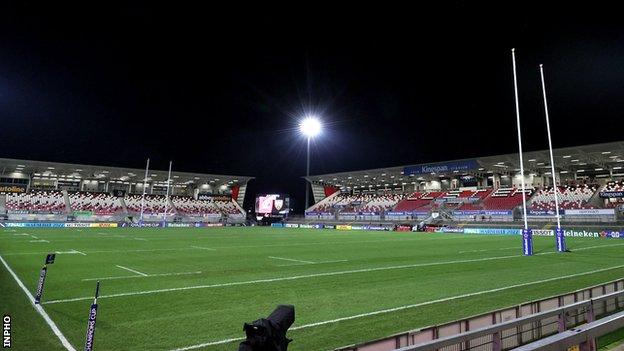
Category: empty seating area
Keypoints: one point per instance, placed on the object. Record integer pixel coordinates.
(229, 207)
(505, 199)
(382, 203)
(570, 197)
(154, 204)
(190, 206)
(98, 203)
(419, 201)
(36, 202)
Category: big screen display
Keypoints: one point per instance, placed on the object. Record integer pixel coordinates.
(274, 204)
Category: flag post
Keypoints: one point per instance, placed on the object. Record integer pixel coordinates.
(527, 235)
(559, 233)
(92, 318)
(42, 277)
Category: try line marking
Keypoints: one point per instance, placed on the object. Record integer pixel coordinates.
(394, 309)
(132, 270)
(39, 308)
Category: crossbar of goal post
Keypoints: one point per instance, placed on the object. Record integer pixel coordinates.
(559, 233)
(527, 235)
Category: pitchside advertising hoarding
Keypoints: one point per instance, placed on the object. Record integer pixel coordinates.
(442, 167)
(13, 189)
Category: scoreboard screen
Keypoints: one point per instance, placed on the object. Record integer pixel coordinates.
(272, 204)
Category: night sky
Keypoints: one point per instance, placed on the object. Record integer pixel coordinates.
(220, 90)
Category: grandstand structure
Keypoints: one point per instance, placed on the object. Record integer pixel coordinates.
(49, 191)
(590, 187)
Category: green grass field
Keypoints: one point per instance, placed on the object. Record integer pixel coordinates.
(166, 289)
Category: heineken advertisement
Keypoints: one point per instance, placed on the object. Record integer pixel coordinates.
(83, 213)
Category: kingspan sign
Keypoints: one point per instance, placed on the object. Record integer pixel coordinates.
(442, 167)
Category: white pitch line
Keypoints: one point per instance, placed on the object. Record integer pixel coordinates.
(142, 239)
(500, 249)
(79, 252)
(140, 276)
(305, 264)
(132, 270)
(291, 259)
(278, 279)
(38, 241)
(39, 308)
(420, 304)
(203, 248)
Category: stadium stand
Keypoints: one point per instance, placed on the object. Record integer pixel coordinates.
(505, 199)
(98, 203)
(154, 204)
(36, 202)
(192, 207)
(418, 201)
(229, 208)
(570, 197)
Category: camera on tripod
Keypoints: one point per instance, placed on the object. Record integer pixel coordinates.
(269, 334)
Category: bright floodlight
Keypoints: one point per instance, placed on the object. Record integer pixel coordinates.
(310, 127)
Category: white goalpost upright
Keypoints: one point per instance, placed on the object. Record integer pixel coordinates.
(167, 195)
(144, 189)
(527, 237)
(559, 234)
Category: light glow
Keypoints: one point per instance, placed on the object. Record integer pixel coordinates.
(310, 127)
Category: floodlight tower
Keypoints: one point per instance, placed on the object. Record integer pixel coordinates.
(310, 127)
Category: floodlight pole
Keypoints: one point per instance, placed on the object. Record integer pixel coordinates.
(513, 58)
(307, 196)
(167, 196)
(143, 196)
(552, 159)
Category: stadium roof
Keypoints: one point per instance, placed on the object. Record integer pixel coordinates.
(596, 160)
(77, 172)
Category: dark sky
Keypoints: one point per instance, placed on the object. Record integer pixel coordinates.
(220, 90)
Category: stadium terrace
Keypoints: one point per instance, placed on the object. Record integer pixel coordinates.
(49, 191)
(589, 187)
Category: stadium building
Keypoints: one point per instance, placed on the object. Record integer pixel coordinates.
(49, 191)
(589, 181)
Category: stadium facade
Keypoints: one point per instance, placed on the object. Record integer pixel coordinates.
(589, 185)
(37, 190)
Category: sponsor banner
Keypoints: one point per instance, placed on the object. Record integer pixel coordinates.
(1, 225)
(466, 213)
(497, 213)
(543, 232)
(377, 228)
(13, 189)
(612, 234)
(277, 225)
(610, 194)
(77, 225)
(395, 213)
(180, 225)
(198, 225)
(147, 225)
(357, 227)
(103, 225)
(493, 231)
(329, 226)
(318, 226)
(541, 213)
(291, 225)
(214, 197)
(306, 226)
(36, 225)
(343, 227)
(369, 213)
(590, 212)
(451, 230)
(17, 212)
(582, 233)
(442, 167)
(83, 213)
(119, 193)
(527, 242)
